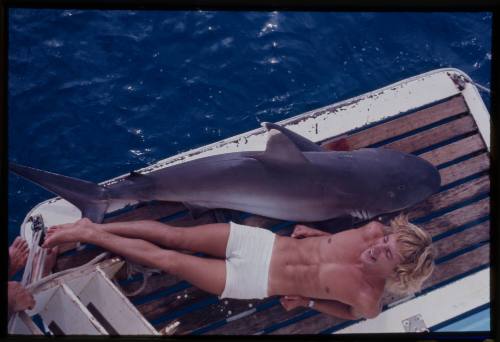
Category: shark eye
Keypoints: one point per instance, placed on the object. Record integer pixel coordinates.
(401, 187)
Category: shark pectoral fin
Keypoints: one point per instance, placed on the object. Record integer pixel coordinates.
(195, 210)
(95, 210)
(281, 149)
(302, 143)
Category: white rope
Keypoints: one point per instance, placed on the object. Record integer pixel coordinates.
(146, 274)
(28, 269)
(482, 87)
(33, 287)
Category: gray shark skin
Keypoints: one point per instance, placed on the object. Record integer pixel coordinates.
(293, 179)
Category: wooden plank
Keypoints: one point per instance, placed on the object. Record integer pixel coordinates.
(459, 265)
(172, 302)
(454, 150)
(463, 239)
(451, 196)
(457, 217)
(443, 272)
(464, 169)
(435, 135)
(401, 125)
(224, 309)
(256, 322)
(155, 283)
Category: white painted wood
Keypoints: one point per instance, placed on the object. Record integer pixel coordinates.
(435, 307)
(77, 284)
(114, 306)
(478, 109)
(41, 299)
(66, 310)
(54, 211)
(23, 325)
(75, 280)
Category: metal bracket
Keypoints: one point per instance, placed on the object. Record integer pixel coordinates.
(38, 225)
(415, 324)
(459, 80)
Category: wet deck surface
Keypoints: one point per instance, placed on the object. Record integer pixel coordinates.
(457, 217)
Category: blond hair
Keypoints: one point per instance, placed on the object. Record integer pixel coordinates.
(415, 246)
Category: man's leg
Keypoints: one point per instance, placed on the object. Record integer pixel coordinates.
(210, 239)
(204, 273)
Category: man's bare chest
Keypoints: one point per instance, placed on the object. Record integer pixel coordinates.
(341, 249)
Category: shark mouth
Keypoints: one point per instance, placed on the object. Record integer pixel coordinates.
(361, 214)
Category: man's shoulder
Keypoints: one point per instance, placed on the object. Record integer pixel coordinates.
(372, 230)
(368, 301)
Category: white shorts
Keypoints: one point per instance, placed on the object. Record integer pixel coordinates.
(248, 257)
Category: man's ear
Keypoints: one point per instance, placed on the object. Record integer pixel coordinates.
(394, 275)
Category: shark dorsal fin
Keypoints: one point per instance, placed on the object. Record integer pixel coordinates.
(280, 148)
(302, 143)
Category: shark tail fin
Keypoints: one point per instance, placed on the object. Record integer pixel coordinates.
(90, 198)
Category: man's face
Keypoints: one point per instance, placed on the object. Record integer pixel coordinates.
(382, 257)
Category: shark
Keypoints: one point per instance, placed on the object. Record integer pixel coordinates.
(293, 179)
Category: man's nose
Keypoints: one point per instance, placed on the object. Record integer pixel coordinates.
(376, 250)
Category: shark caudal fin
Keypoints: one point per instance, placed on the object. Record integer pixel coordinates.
(89, 197)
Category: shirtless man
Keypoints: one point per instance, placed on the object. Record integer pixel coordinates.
(343, 274)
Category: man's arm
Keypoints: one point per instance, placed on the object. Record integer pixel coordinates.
(336, 308)
(302, 231)
(329, 307)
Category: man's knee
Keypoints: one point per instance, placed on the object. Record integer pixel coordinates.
(168, 261)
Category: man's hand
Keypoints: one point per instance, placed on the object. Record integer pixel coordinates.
(302, 231)
(19, 298)
(292, 302)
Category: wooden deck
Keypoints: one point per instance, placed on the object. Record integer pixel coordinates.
(457, 217)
